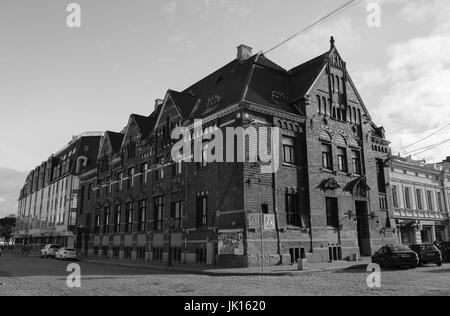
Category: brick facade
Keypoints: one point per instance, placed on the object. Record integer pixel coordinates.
(202, 214)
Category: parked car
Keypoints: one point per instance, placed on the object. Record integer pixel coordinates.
(66, 253)
(428, 253)
(444, 247)
(49, 250)
(395, 256)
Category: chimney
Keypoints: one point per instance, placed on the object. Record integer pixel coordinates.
(158, 103)
(244, 52)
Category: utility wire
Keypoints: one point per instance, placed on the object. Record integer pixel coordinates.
(432, 147)
(425, 138)
(327, 17)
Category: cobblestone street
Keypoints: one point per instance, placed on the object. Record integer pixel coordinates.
(34, 276)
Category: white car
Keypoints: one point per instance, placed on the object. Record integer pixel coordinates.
(66, 253)
(49, 250)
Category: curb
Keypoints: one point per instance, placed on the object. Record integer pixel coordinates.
(212, 273)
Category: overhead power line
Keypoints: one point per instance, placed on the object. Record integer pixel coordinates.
(425, 138)
(432, 147)
(325, 18)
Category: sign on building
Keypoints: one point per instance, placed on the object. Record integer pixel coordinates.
(269, 222)
(254, 221)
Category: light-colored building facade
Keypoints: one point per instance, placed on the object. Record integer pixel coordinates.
(420, 194)
(48, 202)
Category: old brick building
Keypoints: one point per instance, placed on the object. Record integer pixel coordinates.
(329, 199)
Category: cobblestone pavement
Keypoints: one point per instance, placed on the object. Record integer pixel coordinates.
(35, 276)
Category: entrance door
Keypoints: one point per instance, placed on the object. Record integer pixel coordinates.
(362, 215)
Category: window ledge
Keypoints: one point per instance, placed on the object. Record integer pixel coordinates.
(285, 164)
(326, 170)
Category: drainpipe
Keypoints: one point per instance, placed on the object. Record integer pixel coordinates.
(274, 197)
(275, 210)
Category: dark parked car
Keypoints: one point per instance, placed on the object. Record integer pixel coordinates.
(428, 253)
(395, 256)
(444, 247)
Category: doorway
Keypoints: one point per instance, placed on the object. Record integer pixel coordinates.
(363, 228)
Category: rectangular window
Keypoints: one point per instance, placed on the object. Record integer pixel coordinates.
(395, 196)
(203, 163)
(177, 214)
(332, 212)
(292, 209)
(140, 253)
(419, 199)
(144, 168)
(106, 220)
(129, 217)
(289, 150)
(407, 198)
(127, 253)
(141, 215)
(160, 169)
(430, 201)
(327, 158)
(158, 254)
(130, 178)
(97, 224)
(356, 162)
(120, 179)
(439, 202)
(202, 212)
(159, 213)
(177, 168)
(117, 218)
(342, 159)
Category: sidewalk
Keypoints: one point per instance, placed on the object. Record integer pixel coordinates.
(221, 271)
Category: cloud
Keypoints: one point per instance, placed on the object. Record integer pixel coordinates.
(416, 81)
(11, 181)
(203, 9)
(344, 30)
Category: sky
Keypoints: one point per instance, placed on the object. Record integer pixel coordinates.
(56, 81)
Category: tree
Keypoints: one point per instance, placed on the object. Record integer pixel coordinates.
(7, 225)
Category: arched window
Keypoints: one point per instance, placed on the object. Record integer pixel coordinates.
(324, 104)
(334, 112)
(343, 85)
(319, 104)
(338, 84)
(354, 115)
(340, 141)
(325, 137)
(344, 113)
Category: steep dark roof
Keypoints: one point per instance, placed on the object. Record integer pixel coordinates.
(184, 102)
(226, 84)
(303, 76)
(115, 140)
(145, 124)
(257, 80)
